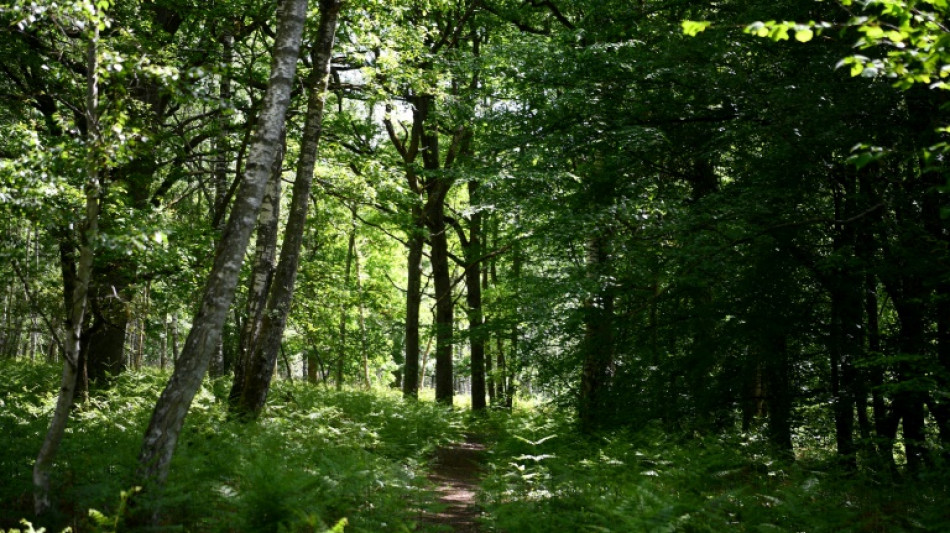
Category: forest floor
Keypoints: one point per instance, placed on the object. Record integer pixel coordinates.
(455, 472)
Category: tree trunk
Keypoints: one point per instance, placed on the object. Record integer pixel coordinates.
(77, 303)
(104, 339)
(398, 354)
(444, 319)
(503, 383)
(169, 414)
(598, 341)
(425, 361)
(364, 349)
(909, 400)
(941, 405)
(410, 380)
(341, 356)
(778, 372)
(473, 296)
(437, 186)
(261, 365)
(262, 276)
(487, 322)
(163, 354)
(175, 339)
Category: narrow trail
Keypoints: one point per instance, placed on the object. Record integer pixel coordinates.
(455, 473)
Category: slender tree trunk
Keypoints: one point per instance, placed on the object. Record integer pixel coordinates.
(143, 334)
(364, 353)
(473, 295)
(488, 321)
(444, 390)
(941, 406)
(909, 400)
(425, 361)
(841, 378)
(501, 364)
(341, 356)
(846, 338)
(168, 417)
(163, 356)
(598, 341)
(410, 382)
(32, 243)
(265, 259)
(398, 354)
(779, 393)
(174, 339)
(220, 169)
(261, 366)
(77, 301)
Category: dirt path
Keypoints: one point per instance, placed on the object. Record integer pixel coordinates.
(455, 472)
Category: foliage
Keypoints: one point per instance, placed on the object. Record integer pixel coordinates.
(316, 458)
(720, 253)
(544, 476)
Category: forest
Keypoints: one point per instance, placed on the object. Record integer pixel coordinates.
(474, 265)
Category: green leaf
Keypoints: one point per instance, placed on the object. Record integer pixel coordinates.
(804, 35)
(874, 32)
(693, 28)
(339, 526)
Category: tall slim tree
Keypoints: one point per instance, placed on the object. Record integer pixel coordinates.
(264, 357)
(168, 417)
(75, 277)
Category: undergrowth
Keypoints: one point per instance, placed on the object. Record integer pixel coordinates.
(544, 476)
(315, 457)
(320, 459)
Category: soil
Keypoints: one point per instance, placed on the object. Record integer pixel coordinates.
(455, 473)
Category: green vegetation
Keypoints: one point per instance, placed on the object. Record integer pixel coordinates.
(317, 457)
(544, 476)
(714, 235)
(320, 456)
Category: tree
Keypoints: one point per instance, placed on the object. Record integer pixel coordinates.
(169, 414)
(76, 276)
(263, 358)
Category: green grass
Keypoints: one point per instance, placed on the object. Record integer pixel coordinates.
(316, 456)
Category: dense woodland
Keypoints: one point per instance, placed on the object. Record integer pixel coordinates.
(682, 266)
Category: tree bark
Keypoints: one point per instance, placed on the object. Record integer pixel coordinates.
(490, 378)
(168, 417)
(262, 276)
(473, 296)
(437, 185)
(175, 351)
(104, 339)
(77, 305)
(845, 285)
(341, 356)
(260, 369)
(364, 349)
(598, 341)
(410, 380)
(778, 370)
(220, 169)
(444, 312)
